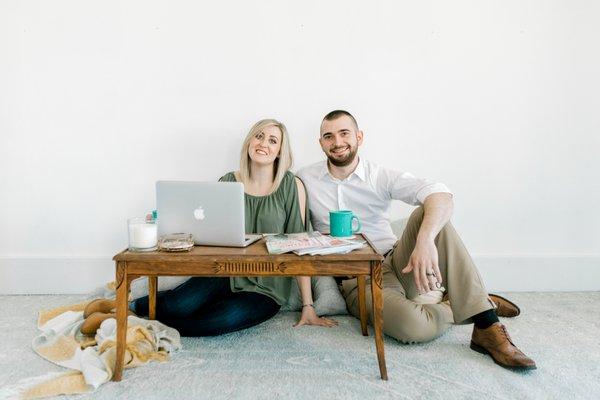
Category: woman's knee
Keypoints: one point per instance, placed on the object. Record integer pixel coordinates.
(260, 301)
(251, 306)
(264, 306)
(241, 314)
(192, 295)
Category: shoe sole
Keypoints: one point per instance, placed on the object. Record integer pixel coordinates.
(482, 350)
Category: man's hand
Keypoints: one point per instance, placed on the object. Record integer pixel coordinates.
(310, 317)
(423, 264)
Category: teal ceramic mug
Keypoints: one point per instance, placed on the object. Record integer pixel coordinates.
(340, 223)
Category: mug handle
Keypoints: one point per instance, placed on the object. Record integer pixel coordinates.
(359, 225)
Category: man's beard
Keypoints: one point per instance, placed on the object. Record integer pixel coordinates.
(347, 160)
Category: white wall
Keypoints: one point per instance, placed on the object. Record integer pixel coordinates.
(499, 100)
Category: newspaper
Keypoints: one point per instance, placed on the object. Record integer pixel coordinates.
(312, 243)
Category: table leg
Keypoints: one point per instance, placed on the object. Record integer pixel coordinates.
(122, 307)
(376, 288)
(152, 285)
(362, 304)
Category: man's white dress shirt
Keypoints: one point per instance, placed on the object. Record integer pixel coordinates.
(368, 192)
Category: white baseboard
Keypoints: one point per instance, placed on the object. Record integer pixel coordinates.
(54, 275)
(540, 273)
(80, 275)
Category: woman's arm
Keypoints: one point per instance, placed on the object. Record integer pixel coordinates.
(309, 316)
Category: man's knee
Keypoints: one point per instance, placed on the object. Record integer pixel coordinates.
(416, 217)
(412, 228)
(447, 230)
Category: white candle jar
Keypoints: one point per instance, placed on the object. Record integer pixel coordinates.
(142, 234)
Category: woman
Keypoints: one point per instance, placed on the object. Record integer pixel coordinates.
(275, 203)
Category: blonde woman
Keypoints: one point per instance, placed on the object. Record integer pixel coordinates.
(275, 203)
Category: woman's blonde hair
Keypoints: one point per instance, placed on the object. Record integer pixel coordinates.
(282, 163)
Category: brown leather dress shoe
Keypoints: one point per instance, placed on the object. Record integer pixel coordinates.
(99, 305)
(505, 308)
(496, 342)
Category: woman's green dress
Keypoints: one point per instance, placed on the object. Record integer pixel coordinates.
(278, 212)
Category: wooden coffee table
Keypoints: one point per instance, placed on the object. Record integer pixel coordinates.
(253, 260)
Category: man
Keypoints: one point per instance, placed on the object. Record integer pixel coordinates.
(428, 255)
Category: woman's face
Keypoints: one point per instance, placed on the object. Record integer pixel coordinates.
(265, 145)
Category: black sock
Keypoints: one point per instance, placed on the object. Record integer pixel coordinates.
(485, 319)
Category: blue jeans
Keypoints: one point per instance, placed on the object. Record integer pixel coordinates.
(208, 307)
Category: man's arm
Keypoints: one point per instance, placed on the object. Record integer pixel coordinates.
(438, 210)
(424, 258)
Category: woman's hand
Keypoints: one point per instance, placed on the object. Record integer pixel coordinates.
(310, 317)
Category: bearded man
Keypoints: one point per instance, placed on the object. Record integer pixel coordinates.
(429, 278)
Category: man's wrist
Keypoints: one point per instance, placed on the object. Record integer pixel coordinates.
(425, 238)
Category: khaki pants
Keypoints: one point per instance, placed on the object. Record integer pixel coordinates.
(411, 322)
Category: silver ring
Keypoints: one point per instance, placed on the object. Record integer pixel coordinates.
(429, 274)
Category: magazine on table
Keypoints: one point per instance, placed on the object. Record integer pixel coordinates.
(312, 243)
(352, 244)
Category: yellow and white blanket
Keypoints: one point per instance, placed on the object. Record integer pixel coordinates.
(91, 359)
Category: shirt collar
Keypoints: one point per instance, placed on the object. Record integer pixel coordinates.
(359, 171)
(324, 171)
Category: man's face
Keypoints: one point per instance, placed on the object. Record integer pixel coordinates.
(339, 140)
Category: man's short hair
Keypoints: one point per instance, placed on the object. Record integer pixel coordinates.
(335, 114)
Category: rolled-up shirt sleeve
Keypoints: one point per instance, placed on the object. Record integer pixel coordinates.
(406, 187)
(430, 189)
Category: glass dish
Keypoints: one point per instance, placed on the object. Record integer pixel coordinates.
(176, 242)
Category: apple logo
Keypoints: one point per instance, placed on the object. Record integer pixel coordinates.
(199, 213)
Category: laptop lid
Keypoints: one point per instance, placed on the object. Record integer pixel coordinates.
(213, 212)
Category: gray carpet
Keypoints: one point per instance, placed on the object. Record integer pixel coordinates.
(561, 331)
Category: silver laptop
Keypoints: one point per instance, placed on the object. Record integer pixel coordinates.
(213, 212)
